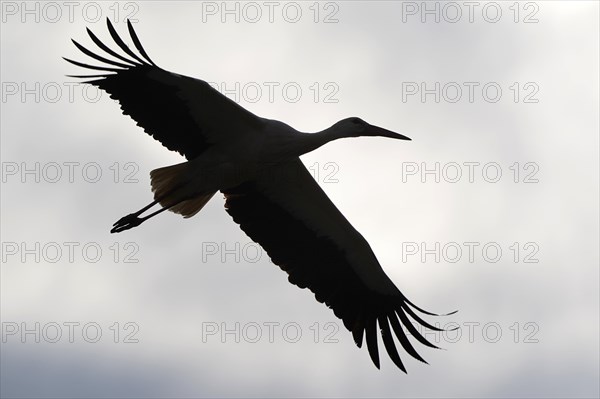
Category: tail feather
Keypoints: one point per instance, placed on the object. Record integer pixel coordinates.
(166, 181)
(189, 208)
(167, 184)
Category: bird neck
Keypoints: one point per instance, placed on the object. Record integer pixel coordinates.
(311, 141)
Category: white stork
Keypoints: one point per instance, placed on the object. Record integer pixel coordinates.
(255, 163)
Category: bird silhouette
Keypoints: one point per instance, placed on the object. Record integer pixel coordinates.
(255, 163)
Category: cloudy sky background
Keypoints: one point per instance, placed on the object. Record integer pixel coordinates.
(528, 329)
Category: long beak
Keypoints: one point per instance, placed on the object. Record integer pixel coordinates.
(379, 131)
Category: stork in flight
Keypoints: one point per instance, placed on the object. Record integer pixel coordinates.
(255, 163)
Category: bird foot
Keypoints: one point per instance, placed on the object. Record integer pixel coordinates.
(126, 223)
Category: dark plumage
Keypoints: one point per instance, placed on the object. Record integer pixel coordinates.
(255, 163)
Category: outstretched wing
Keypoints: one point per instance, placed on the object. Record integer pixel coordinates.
(185, 114)
(290, 216)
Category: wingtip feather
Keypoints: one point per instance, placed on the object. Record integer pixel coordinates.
(388, 342)
(415, 333)
(427, 312)
(404, 340)
(121, 43)
(371, 338)
(137, 43)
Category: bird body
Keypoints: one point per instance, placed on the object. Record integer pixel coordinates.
(255, 163)
(263, 149)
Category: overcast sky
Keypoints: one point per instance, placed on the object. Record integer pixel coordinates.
(491, 209)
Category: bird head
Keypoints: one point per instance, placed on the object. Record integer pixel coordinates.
(356, 127)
